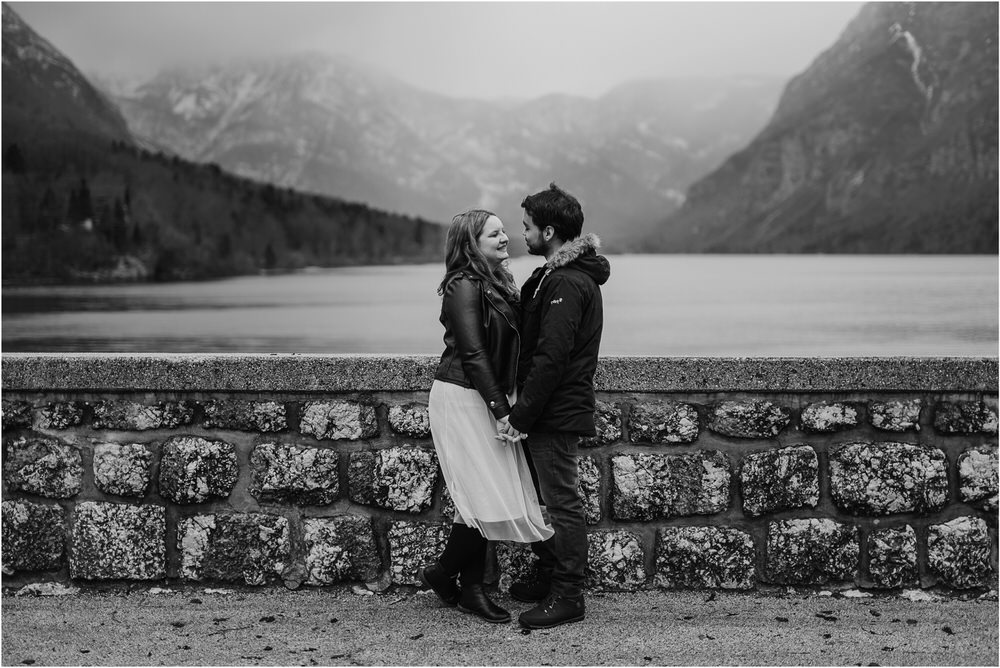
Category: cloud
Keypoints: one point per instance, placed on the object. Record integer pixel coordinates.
(474, 49)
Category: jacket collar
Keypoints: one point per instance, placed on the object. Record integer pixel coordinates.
(572, 250)
(569, 252)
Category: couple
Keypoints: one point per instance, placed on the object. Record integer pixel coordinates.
(511, 398)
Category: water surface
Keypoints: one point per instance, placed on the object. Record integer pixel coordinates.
(702, 305)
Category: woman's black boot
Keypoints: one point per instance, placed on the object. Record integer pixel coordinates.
(444, 586)
(475, 601)
(441, 575)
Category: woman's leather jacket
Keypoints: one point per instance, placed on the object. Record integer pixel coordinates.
(481, 341)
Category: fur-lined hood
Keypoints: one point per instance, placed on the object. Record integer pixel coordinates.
(582, 254)
(571, 250)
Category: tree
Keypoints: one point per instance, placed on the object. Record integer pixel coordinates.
(49, 214)
(73, 207)
(86, 205)
(270, 259)
(225, 248)
(80, 207)
(119, 226)
(270, 196)
(13, 161)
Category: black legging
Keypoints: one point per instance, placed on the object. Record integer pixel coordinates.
(465, 554)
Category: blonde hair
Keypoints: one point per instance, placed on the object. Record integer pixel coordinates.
(462, 255)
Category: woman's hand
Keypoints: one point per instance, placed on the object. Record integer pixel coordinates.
(506, 431)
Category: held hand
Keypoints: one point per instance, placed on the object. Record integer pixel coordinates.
(506, 431)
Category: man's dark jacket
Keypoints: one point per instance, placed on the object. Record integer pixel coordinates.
(562, 316)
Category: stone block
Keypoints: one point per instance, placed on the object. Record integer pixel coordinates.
(704, 558)
(811, 552)
(779, 479)
(663, 422)
(977, 474)
(396, 479)
(887, 478)
(340, 549)
(410, 420)
(965, 417)
(123, 469)
(826, 417)
(897, 416)
(615, 561)
(958, 552)
(255, 416)
(132, 416)
(447, 504)
(294, 474)
(60, 415)
(607, 422)
(338, 420)
(194, 470)
(43, 466)
(589, 488)
(515, 561)
(892, 557)
(749, 419)
(114, 541)
(412, 545)
(251, 548)
(16, 414)
(361, 484)
(652, 486)
(33, 536)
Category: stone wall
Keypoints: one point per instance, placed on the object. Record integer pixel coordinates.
(314, 470)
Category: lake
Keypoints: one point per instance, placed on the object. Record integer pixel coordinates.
(688, 305)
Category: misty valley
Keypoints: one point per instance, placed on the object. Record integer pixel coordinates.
(885, 144)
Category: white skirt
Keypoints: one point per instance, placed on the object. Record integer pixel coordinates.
(488, 479)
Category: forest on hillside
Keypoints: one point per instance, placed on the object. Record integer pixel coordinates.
(78, 207)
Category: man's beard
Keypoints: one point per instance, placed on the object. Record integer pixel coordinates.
(541, 248)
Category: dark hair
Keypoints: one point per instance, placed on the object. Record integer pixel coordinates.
(557, 208)
(462, 255)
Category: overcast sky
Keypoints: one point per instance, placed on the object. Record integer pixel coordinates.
(472, 49)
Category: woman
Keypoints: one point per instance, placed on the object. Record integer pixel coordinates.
(487, 475)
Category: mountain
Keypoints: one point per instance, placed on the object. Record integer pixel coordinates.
(887, 143)
(43, 90)
(83, 201)
(331, 125)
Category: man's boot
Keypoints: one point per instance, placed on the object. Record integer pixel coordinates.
(553, 611)
(534, 589)
(537, 586)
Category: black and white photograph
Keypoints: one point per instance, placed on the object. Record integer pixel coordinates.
(513, 332)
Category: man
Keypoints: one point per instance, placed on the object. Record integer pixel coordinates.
(561, 323)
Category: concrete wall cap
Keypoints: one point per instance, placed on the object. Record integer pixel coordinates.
(291, 372)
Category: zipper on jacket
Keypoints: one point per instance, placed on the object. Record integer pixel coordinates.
(539, 286)
(517, 333)
(517, 357)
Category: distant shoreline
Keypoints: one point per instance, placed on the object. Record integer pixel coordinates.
(43, 281)
(46, 281)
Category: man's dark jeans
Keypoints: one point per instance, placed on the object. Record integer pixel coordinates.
(553, 459)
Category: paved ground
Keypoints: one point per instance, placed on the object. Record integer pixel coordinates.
(199, 626)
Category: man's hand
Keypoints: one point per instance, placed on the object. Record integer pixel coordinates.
(506, 431)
